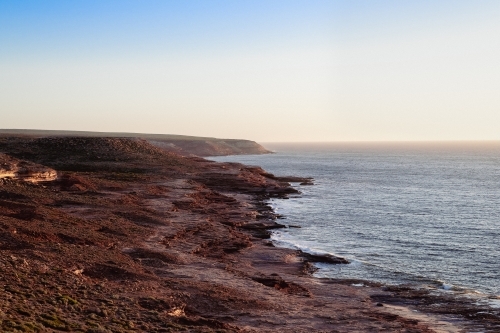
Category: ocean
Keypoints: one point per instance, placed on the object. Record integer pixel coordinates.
(423, 214)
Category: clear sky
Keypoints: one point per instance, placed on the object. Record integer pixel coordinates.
(263, 70)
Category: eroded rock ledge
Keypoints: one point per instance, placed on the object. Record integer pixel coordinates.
(13, 168)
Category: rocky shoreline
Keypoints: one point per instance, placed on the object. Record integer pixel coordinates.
(133, 238)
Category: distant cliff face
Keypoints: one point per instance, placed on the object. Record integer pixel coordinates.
(184, 145)
(210, 147)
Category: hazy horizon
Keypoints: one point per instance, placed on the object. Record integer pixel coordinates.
(281, 71)
(374, 142)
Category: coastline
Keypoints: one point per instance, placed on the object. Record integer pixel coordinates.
(131, 238)
(443, 307)
(442, 310)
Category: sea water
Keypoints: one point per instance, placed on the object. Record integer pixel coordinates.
(402, 213)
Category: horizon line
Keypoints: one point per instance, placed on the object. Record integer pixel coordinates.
(266, 141)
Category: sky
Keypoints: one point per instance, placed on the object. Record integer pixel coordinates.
(270, 71)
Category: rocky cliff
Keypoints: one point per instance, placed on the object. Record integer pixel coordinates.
(133, 238)
(210, 147)
(181, 144)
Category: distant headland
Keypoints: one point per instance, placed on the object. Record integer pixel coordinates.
(180, 144)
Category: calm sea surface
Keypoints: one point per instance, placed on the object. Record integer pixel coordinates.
(424, 214)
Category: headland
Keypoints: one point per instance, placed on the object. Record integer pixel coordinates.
(181, 144)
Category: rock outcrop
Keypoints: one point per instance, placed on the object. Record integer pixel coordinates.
(13, 168)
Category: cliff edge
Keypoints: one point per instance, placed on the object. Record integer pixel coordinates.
(180, 144)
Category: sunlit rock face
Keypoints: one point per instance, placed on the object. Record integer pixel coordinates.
(13, 168)
(213, 147)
